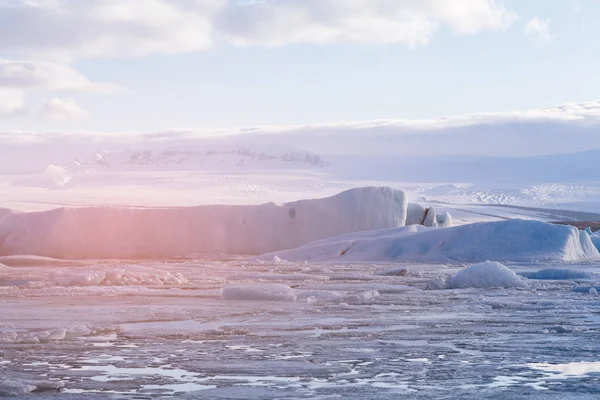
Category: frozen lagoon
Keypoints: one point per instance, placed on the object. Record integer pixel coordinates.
(174, 336)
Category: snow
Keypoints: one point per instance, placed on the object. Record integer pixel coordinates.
(485, 275)
(269, 292)
(556, 274)
(512, 240)
(128, 233)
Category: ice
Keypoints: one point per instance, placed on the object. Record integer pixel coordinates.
(485, 275)
(398, 271)
(269, 292)
(20, 387)
(437, 284)
(595, 240)
(22, 261)
(362, 296)
(556, 274)
(585, 289)
(415, 214)
(445, 220)
(430, 217)
(134, 233)
(511, 240)
(110, 276)
(567, 370)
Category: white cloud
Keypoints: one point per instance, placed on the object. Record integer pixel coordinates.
(69, 29)
(43, 75)
(560, 129)
(62, 109)
(12, 102)
(18, 78)
(539, 29)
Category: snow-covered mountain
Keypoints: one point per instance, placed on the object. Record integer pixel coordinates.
(217, 158)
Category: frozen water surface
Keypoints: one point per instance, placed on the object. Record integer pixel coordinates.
(351, 332)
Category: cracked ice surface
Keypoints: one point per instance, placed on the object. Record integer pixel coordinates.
(352, 332)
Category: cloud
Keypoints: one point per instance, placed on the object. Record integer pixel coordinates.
(408, 22)
(539, 30)
(12, 102)
(18, 78)
(62, 109)
(564, 128)
(71, 29)
(43, 75)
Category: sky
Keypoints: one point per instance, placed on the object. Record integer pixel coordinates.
(157, 65)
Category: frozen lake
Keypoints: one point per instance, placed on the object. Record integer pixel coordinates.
(162, 330)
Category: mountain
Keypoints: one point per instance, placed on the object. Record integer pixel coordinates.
(210, 158)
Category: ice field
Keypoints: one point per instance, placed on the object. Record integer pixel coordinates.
(237, 329)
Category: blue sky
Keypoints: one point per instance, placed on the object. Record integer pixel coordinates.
(277, 71)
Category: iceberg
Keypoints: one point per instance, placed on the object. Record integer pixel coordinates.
(258, 292)
(142, 233)
(511, 240)
(485, 275)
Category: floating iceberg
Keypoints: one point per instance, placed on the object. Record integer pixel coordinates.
(252, 292)
(485, 275)
(512, 240)
(134, 233)
(557, 274)
(125, 276)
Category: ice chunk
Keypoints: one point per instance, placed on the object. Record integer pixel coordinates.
(556, 274)
(362, 296)
(135, 233)
(593, 292)
(19, 387)
(444, 220)
(415, 214)
(512, 240)
(399, 271)
(125, 276)
(430, 217)
(485, 275)
(271, 292)
(437, 284)
(311, 296)
(585, 289)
